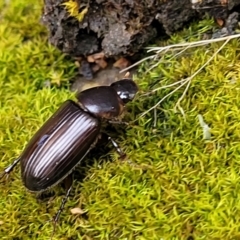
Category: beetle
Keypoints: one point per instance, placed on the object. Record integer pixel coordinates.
(68, 135)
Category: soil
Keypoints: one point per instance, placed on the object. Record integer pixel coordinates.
(116, 27)
(120, 28)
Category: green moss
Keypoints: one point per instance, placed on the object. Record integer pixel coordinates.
(27, 62)
(73, 8)
(179, 185)
(174, 184)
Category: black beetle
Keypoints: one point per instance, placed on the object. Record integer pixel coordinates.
(69, 134)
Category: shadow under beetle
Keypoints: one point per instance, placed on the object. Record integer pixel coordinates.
(68, 135)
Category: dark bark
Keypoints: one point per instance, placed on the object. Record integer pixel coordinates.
(123, 27)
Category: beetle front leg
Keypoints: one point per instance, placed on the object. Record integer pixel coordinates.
(9, 168)
(119, 150)
(68, 182)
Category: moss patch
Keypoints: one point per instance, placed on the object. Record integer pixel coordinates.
(27, 64)
(73, 7)
(175, 185)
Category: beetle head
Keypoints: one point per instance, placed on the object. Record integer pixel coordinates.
(126, 89)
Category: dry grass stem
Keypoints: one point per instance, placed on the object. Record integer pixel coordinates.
(184, 82)
(164, 87)
(182, 47)
(198, 71)
(192, 44)
(137, 63)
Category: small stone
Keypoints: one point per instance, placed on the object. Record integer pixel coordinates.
(77, 211)
(122, 63)
(102, 63)
(92, 58)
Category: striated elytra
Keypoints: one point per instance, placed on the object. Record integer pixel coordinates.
(69, 134)
(58, 146)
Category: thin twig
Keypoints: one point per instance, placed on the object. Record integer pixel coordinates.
(169, 94)
(155, 118)
(163, 87)
(193, 44)
(199, 70)
(178, 46)
(137, 63)
(174, 56)
(184, 82)
(181, 98)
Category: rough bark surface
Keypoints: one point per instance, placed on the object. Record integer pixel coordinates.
(123, 27)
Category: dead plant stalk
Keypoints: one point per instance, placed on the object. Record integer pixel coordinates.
(180, 46)
(186, 81)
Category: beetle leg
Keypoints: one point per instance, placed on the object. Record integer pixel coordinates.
(9, 168)
(68, 181)
(119, 150)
